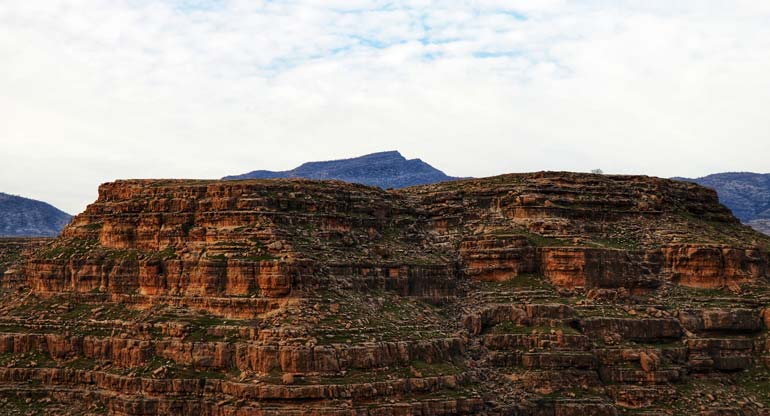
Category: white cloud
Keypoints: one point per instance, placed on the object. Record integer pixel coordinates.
(93, 90)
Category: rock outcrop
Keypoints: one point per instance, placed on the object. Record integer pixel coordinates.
(13, 254)
(531, 294)
(747, 194)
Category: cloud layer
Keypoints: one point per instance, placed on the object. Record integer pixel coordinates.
(92, 91)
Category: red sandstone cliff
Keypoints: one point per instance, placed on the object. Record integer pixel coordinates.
(546, 293)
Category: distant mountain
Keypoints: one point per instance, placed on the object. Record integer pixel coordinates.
(384, 169)
(746, 194)
(762, 226)
(23, 217)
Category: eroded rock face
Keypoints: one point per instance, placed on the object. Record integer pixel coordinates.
(13, 255)
(706, 266)
(531, 294)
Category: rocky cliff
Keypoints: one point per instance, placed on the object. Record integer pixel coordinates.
(15, 251)
(530, 294)
(746, 194)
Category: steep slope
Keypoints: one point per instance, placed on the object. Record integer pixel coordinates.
(384, 170)
(15, 250)
(529, 294)
(746, 194)
(23, 217)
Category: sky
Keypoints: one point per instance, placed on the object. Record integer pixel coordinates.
(92, 91)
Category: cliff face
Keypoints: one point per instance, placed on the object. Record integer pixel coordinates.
(534, 294)
(746, 194)
(15, 251)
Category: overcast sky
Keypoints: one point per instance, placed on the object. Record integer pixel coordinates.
(92, 91)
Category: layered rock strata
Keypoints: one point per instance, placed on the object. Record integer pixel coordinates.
(530, 294)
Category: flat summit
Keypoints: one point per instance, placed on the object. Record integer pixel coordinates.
(547, 293)
(384, 170)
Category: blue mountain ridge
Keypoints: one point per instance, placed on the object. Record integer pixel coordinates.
(384, 169)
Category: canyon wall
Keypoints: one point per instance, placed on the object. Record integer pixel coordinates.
(528, 294)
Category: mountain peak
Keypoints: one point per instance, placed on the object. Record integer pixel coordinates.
(385, 154)
(24, 217)
(388, 169)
